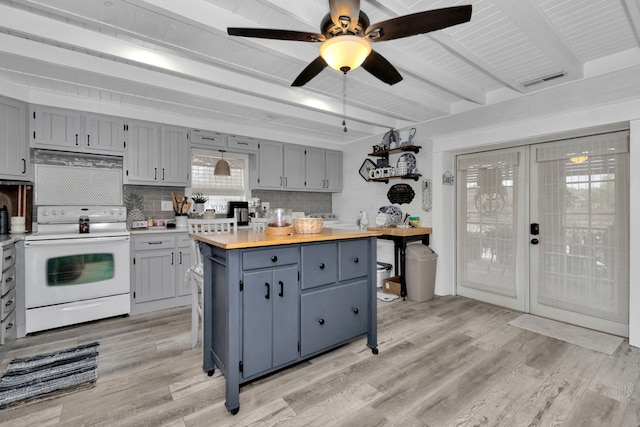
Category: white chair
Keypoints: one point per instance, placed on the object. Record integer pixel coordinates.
(195, 273)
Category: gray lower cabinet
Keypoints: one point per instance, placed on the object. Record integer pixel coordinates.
(158, 264)
(8, 293)
(267, 308)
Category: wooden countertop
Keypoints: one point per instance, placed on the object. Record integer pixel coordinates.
(396, 231)
(254, 239)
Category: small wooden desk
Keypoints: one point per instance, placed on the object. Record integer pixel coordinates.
(400, 238)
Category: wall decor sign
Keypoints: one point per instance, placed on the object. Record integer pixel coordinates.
(447, 178)
(426, 195)
(366, 166)
(400, 193)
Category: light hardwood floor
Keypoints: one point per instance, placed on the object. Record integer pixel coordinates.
(449, 361)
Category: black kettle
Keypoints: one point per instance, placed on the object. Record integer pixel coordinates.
(4, 220)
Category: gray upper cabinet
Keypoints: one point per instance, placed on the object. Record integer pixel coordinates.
(157, 155)
(323, 170)
(297, 167)
(14, 150)
(105, 133)
(294, 167)
(208, 140)
(60, 129)
(241, 144)
(270, 165)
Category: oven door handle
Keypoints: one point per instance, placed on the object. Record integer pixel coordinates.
(81, 241)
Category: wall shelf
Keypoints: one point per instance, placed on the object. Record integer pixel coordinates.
(385, 153)
(385, 179)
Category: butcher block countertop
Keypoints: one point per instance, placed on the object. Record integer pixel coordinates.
(253, 239)
(398, 231)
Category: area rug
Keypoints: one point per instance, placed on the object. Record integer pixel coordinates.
(593, 340)
(49, 374)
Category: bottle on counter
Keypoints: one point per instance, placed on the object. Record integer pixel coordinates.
(4, 220)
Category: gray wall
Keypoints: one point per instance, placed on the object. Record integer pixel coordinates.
(297, 201)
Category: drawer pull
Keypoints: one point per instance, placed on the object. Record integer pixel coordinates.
(274, 258)
(281, 293)
(8, 303)
(321, 321)
(8, 258)
(154, 243)
(356, 260)
(9, 279)
(321, 266)
(355, 310)
(9, 326)
(268, 295)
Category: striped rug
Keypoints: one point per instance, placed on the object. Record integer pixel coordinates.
(49, 374)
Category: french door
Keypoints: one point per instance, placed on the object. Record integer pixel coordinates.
(545, 229)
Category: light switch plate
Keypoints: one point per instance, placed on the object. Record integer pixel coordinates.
(166, 205)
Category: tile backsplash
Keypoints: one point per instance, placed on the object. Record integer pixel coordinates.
(298, 201)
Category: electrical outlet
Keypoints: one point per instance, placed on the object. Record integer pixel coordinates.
(166, 205)
(265, 206)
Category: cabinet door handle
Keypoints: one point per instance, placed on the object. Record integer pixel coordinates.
(356, 260)
(280, 181)
(155, 173)
(285, 181)
(281, 293)
(76, 139)
(268, 295)
(163, 174)
(274, 258)
(355, 310)
(180, 257)
(24, 165)
(321, 321)
(321, 266)
(88, 140)
(172, 258)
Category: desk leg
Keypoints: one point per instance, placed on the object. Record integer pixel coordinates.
(402, 245)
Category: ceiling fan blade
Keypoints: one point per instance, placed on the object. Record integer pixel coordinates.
(312, 70)
(268, 33)
(418, 23)
(349, 9)
(379, 67)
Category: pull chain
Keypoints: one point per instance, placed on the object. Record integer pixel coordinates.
(344, 101)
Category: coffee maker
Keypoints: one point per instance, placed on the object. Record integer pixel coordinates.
(239, 210)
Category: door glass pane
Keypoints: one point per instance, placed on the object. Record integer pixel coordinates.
(79, 269)
(583, 265)
(487, 223)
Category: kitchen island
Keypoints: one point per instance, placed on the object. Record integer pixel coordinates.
(273, 301)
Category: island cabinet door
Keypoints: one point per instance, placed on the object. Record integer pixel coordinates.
(270, 321)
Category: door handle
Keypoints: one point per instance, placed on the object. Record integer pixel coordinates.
(534, 241)
(268, 295)
(534, 229)
(281, 293)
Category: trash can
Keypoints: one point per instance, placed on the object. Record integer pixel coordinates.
(383, 271)
(420, 272)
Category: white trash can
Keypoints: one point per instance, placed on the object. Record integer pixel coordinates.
(383, 271)
(421, 272)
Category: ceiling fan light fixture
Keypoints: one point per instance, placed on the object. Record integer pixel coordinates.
(345, 52)
(222, 167)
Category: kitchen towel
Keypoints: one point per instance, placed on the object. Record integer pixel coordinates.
(49, 374)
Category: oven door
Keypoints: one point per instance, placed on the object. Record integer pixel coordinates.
(66, 270)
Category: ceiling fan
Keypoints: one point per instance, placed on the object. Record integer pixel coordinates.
(346, 36)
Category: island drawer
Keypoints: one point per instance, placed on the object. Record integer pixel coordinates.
(332, 315)
(271, 257)
(145, 243)
(319, 265)
(353, 259)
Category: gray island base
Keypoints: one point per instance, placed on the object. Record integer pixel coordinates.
(273, 301)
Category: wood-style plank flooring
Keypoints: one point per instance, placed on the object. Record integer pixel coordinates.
(449, 361)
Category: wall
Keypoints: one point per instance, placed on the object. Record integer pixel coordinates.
(153, 196)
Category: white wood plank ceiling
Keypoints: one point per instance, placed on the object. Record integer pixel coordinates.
(175, 58)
